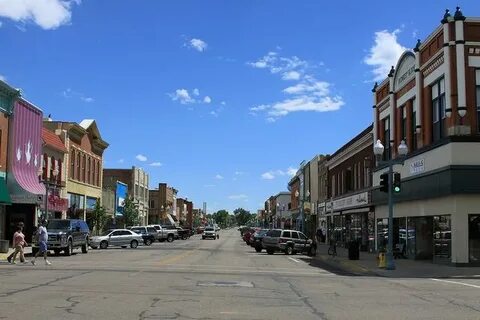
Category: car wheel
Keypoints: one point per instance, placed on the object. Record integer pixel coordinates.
(148, 242)
(270, 251)
(103, 245)
(134, 244)
(170, 238)
(93, 247)
(218, 236)
(85, 247)
(289, 250)
(203, 238)
(57, 251)
(69, 248)
(258, 249)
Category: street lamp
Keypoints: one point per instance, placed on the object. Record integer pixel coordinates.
(47, 185)
(378, 150)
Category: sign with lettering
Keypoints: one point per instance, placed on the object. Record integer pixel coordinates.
(417, 166)
(351, 201)
(405, 71)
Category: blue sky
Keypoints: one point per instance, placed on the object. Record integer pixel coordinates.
(220, 99)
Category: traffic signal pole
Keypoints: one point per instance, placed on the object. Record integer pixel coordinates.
(390, 261)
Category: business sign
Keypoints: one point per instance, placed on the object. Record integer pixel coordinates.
(120, 196)
(351, 201)
(417, 166)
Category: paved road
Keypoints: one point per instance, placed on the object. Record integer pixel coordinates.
(219, 279)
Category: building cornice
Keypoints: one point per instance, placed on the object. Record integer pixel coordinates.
(351, 150)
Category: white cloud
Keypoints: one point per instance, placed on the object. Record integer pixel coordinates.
(196, 92)
(268, 176)
(156, 164)
(239, 173)
(3, 78)
(198, 45)
(209, 185)
(272, 174)
(48, 14)
(87, 99)
(207, 99)
(384, 53)
(223, 103)
(291, 75)
(1, 24)
(182, 96)
(308, 94)
(121, 160)
(238, 197)
(219, 177)
(214, 113)
(141, 157)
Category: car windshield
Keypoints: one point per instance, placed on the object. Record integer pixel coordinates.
(58, 224)
(209, 229)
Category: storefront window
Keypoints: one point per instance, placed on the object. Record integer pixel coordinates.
(382, 234)
(442, 237)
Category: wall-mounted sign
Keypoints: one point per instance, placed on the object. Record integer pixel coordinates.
(351, 201)
(417, 166)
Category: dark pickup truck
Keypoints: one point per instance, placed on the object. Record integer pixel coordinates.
(184, 234)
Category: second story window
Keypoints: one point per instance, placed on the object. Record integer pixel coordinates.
(438, 109)
(477, 92)
(387, 155)
(413, 128)
(403, 123)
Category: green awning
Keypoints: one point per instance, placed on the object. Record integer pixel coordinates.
(4, 194)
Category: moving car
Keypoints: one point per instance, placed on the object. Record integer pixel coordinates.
(116, 237)
(149, 234)
(210, 232)
(66, 235)
(288, 241)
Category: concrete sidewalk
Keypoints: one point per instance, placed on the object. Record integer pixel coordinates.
(3, 256)
(367, 265)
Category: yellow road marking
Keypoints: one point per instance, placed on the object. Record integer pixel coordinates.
(171, 260)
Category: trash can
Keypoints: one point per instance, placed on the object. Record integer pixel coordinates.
(4, 244)
(353, 250)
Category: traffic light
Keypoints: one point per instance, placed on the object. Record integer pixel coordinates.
(384, 182)
(396, 182)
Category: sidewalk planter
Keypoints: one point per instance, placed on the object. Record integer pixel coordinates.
(4, 246)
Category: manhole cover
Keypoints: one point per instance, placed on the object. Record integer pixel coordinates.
(244, 284)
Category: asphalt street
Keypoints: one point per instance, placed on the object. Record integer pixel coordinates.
(219, 279)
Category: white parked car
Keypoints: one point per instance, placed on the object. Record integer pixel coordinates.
(116, 237)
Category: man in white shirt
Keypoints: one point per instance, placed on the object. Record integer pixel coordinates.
(42, 236)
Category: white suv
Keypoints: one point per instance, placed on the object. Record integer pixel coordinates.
(210, 232)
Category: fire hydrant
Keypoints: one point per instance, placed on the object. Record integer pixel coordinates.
(382, 263)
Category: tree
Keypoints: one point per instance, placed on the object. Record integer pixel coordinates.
(242, 216)
(130, 212)
(220, 217)
(97, 218)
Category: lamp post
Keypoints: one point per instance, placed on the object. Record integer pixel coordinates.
(47, 185)
(378, 150)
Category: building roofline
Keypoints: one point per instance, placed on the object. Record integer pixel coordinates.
(353, 140)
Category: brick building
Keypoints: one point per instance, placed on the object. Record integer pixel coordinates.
(137, 181)
(431, 99)
(85, 163)
(163, 205)
(350, 212)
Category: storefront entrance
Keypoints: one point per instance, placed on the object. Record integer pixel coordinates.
(474, 238)
(17, 213)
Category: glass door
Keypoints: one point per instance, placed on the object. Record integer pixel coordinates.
(474, 237)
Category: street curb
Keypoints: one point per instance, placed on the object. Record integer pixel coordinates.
(347, 266)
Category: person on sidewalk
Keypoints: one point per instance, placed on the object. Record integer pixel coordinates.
(9, 258)
(19, 243)
(42, 237)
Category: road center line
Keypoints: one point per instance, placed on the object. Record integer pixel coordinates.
(293, 259)
(457, 282)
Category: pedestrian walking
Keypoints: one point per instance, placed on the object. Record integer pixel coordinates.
(9, 258)
(42, 237)
(19, 244)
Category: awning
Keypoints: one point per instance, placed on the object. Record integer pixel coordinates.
(4, 194)
(169, 216)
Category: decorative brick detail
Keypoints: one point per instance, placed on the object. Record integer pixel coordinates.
(434, 65)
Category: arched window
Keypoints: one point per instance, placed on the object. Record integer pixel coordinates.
(88, 179)
(60, 169)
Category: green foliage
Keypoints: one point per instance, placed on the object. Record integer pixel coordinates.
(130, 212)
(243, 216)
(221, 217)
(97, 218)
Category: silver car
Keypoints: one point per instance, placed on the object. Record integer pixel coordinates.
(116, 237)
